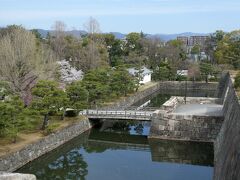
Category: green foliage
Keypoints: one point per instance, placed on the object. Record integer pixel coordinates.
(48, 99)
(51, 128)
(228, 49)
(104, 83)
(206, 69)
(5, 90)
(196, 49)
(181, 78)
(162, 72)
(237, 81)
(14, 117)
(122, 83)
(133, 41)
(78, 95)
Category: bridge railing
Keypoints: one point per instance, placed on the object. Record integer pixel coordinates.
(114, 114)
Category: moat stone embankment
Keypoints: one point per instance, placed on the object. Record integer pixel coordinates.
(227, 144)
(15, 160)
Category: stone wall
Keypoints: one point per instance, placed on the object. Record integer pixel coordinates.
(16, 176)
(168, 125)
(15, 160)
(227, 144)
(164, 86)
(185, 127)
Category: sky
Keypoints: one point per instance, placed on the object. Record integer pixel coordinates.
(149, 16)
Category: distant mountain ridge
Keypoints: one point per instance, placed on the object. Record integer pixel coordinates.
(118, 35)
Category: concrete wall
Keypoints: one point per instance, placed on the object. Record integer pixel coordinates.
(164, 86)
(227, 144)
(15, 160)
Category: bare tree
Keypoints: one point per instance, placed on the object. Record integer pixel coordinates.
(92, 26)
(58, 38)
(22, 61)
(194, 71)
(92, 55)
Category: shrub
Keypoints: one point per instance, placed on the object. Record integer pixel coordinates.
(51, 128)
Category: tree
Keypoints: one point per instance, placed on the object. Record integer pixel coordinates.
(23, 61)
(162, 72)
(92, 26)
(48, 98)
(193, 71)
(122, 82)
(206, 69)
(94, 51)
(12, 117)
(133, 41)
(78, 95)
(237, 81)
(195, 50)
(97, 83)
(58, 38)
(114, 49)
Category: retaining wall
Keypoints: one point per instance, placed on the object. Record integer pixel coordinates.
(163, 86)
(227, 144)
(15, 160)
(185, 127)
(168, 125)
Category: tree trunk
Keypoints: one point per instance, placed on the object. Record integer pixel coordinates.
(63, 115)
(45, 122)
(206, 78)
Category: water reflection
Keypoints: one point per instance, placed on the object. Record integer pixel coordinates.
(65, 162)
(111, 147)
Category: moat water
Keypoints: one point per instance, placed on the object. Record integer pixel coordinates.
(120, 150)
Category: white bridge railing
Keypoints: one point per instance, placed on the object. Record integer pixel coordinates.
(116, 114)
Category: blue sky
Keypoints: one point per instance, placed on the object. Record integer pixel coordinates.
(150, 16)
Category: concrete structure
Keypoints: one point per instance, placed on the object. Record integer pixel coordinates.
(181, 123)
(182, 72)
(197, 40)
(144, 72)
(165, 86)
(183, 39)
(193, 40)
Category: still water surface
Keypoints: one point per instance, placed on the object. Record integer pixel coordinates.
(121, 151)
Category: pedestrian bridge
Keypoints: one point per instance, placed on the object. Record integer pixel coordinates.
(129, 114)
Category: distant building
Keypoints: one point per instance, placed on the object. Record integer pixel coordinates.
(193, 40)
(183, 39)
(197, 40)
(145, 73)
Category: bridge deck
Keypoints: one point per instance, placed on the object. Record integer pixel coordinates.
(114, 114)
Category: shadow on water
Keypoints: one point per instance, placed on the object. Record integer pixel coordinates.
(76, 159)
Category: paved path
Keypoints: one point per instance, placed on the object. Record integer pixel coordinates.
(199, 109)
